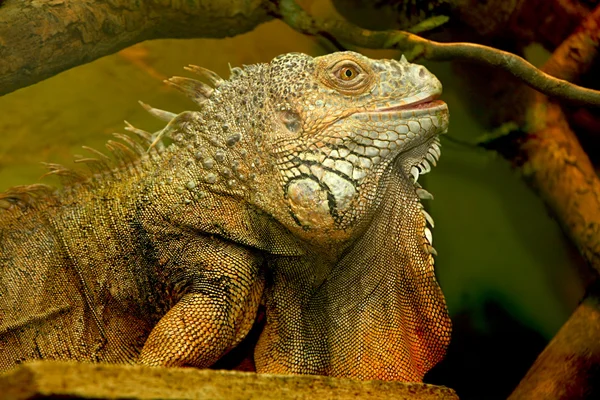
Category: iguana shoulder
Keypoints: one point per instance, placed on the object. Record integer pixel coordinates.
(292, 185)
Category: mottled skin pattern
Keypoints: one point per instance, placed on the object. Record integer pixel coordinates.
(293, 186)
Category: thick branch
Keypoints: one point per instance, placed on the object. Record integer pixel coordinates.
(557, 165)
(417, 46)
(39, 39)
(568, 366)
(562, 173)
(576, 54)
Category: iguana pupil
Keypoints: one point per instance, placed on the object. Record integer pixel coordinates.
(348, 72)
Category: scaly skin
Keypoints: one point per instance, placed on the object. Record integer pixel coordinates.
(294, 186)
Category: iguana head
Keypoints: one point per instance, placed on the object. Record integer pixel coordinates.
(310, 140)
(341, 122)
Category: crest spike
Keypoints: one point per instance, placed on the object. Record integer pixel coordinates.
(101, 160)
(132, 144)
(158, 113)
(197, 91)
(25, 196)
(66, 175)
(93, 164)
(123, 153)
(96, 152)
(145, 136)
(156, 139)
(211, 76)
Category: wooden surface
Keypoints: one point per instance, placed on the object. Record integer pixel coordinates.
(48, 379)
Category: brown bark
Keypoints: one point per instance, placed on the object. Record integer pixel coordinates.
(548, 22)
(576, 54)
(568, 368)
(562, 173)
(39, 39)
(564, 176)
(556, 163)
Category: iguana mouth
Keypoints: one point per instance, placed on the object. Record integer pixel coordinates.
(429, 104)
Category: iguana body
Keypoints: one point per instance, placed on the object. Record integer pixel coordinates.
(291, 187)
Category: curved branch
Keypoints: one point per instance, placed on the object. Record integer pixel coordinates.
(564, 176)
(417, 46)
(568, 366)
(39, 39)
(557, 165)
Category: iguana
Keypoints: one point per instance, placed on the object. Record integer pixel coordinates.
(294, 185)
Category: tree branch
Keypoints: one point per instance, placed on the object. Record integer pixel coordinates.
(556, 163)
(39, 39)
(568, 366)
(417, 46)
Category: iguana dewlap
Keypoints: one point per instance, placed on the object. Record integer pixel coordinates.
(293, 186)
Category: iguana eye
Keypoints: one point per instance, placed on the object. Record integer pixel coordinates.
(348, 73)
(347, 76)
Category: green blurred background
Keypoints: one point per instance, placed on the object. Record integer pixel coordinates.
(509, 275)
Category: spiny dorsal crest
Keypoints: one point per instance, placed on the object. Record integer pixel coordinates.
(26, 196)
(196, 90)
(124, 152)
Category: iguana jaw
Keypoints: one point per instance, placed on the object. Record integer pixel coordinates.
(419, 156)
(423, 147)
(422, 151)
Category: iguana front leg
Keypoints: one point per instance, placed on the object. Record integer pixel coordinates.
(215, 314)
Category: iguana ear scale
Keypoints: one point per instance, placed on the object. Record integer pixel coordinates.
(211, 76)
(197, 91)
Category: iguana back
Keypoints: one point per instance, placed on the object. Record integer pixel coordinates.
(88, 273)
(293, 185)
